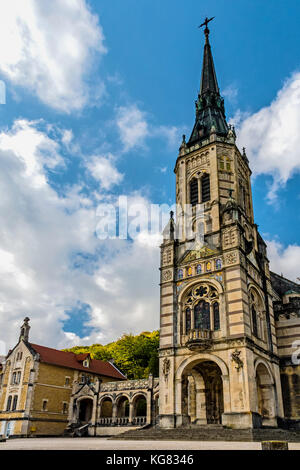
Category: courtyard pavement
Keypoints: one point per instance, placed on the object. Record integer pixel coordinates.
(106, 444)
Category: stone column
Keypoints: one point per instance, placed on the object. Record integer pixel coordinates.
(94, 411)
(114, 413)
(192, 398)
(201, 405)
(148, 416)
(131, 412)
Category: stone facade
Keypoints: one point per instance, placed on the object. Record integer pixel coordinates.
(220, 343)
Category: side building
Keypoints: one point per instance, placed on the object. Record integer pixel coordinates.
(36, 385)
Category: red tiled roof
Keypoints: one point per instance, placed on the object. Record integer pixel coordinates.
(71, 360)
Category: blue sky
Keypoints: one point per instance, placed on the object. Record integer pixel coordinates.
(98, 96)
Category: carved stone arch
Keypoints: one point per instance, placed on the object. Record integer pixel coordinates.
(205, 280)
(252, 286)
(120, 395)
(267, 398)
(190, 361)
(262, 361)
(186, 368)
(105, 397)
(85, 397)
(138, 393)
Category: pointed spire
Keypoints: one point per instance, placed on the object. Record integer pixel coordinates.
(208, 78)
(210, 111)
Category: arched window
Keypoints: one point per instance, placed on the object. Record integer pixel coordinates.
(218, 264)
(180, 274)
(201, 308)
(188, 320)
(189, 271)
(254, 322)
(194, 191)
(15, 401)
(202, 315)
(258, 322)
(205, 188)
(208, 266)
(8, 403)
(199, 269)
(216, 313)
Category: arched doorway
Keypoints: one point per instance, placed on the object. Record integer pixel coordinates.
(202, 400)
(106, 408)
(85, 410)
(266, 398)
(122, 410)
(139, 409)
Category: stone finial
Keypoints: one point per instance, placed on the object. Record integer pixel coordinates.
(24, 333)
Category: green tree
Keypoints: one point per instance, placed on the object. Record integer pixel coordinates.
(136, 356)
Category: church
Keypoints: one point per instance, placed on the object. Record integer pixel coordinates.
(228, 326)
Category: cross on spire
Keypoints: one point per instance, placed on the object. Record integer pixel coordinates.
(205, 23)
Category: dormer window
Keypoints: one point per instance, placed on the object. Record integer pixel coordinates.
(86, 363)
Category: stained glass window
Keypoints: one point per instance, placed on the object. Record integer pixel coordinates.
(218, 264)
(199, 269)
(189, 271)
(254, 322)
(180, 274)
(187, 320)
(202, 316)
(216, 316)
(208, 266)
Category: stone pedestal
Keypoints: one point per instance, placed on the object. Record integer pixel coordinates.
(242, 420)
(274, 445)
(166, 421)
(182, 420)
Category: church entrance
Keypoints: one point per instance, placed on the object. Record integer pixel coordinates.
(202, 394)
(85, 410)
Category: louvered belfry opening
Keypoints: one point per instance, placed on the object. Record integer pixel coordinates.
(194, 191)
(205, 188)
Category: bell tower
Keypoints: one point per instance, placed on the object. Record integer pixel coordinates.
(218, 351)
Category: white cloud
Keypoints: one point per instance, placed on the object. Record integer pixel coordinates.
(172, 134)
(49, 47)
(133, 126)
(51, 259)
(230, 92)
(103, 170)
(285, 260)
(272, 138)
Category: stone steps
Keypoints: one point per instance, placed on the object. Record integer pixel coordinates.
(210, 433)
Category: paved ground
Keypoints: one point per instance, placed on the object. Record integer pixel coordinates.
(105, 444)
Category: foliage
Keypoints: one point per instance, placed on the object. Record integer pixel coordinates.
(136, 356)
